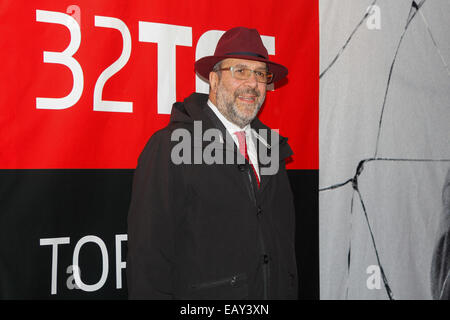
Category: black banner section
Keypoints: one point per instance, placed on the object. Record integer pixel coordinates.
(51, 220)
(305, 186)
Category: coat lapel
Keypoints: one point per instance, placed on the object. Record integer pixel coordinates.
(267, 144)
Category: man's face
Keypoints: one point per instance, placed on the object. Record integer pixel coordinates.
(239, 100)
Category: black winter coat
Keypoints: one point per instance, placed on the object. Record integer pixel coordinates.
(206, 231)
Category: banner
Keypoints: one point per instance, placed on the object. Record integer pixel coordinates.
(84, 86)
(88, 83)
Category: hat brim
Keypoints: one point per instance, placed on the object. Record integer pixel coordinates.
(205, 65)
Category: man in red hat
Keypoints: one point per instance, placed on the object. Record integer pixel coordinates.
(211, 228)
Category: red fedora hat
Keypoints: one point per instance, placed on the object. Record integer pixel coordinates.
(240, 43)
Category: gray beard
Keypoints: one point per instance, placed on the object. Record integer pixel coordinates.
(229, 109)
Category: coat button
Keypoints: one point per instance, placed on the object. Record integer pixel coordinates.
(266, 259)
(233, 281)
(242, 167)
(259, 211)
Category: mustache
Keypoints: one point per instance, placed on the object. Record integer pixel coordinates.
(250, 91)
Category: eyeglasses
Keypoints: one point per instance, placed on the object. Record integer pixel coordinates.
(241, 73)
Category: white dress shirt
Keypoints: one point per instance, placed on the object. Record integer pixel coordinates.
(249, 137)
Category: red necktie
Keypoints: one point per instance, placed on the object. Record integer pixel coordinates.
(243, 150)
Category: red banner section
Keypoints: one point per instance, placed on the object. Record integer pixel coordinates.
(85, 84)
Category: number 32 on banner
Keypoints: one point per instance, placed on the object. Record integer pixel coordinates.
(167, 36)
(66, 58)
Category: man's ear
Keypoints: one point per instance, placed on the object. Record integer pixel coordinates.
(213, 81)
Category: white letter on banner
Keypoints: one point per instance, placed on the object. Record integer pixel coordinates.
(64, 58)
(119, 263)
(167, 37)
(206, 46)
(76, 268)
(54, 242)
(106, 105)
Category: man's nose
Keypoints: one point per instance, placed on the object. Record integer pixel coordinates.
(252, 80)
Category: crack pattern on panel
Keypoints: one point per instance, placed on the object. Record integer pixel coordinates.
(439, 264)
